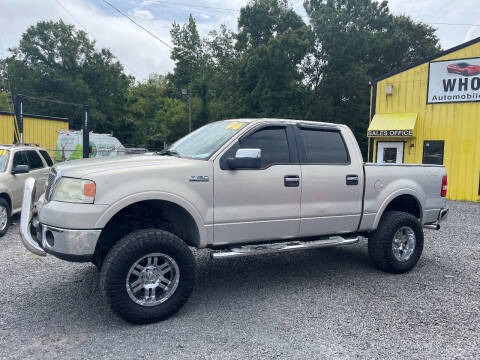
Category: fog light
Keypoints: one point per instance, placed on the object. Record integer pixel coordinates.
(49, 238)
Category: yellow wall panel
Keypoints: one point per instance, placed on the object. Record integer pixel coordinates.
(6, 129)
(456, 123)
(43, 132)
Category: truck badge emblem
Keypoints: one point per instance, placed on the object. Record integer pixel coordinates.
(199, 178)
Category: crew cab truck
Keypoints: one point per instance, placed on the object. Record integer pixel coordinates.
(239, 187)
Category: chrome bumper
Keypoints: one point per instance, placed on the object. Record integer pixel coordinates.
(442, 216)
(67, 244)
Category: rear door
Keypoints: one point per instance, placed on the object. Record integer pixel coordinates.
(332, 185)
(38, 170)
(259, 204)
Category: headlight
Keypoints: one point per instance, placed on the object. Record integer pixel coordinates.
(74, 190)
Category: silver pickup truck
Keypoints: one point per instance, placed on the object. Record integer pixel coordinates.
(239, 187)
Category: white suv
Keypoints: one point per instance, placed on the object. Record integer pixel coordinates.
(17, 162)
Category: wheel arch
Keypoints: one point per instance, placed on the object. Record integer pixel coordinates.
(8, 199)
(159, 210)
(406, 200)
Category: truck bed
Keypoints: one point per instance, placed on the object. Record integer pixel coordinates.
(385, 182)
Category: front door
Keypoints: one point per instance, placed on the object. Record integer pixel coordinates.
(258, 204)
(389, 152)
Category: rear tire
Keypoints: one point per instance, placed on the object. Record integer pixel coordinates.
(5, 216)
(397, 244)
(148, 276)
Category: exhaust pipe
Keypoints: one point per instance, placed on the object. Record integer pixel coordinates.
(432, 226)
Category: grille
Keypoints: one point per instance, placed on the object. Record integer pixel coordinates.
(49, 186)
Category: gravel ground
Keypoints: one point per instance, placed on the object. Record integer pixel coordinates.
(309, 304)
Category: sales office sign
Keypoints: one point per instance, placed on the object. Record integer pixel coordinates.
(454, 81)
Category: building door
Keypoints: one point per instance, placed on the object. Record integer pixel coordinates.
(389, 152)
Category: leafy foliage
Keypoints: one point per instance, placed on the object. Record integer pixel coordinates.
(355, 41)
(53, 60)
(274, 66)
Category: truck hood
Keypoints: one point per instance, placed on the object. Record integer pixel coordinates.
(88, 167)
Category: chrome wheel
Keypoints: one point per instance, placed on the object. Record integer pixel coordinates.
(153, 279)
(3, 217)
(404, 243)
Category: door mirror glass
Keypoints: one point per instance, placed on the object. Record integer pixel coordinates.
(20, 169)
(246, 159)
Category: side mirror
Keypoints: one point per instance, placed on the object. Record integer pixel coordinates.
(246, 159)
(21, 169)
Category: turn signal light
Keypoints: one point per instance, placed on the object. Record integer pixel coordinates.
(89, 189)
(443, 192)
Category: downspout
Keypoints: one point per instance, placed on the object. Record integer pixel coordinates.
(373, 106)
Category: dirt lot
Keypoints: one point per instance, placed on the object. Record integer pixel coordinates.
(309, 304)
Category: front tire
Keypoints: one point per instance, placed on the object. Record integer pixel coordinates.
(4, 217)
(397, 244)
(148, 276)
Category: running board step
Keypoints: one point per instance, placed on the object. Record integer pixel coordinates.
(258, 249)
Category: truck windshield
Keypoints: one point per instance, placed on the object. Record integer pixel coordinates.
(202, 143)
(3, 160)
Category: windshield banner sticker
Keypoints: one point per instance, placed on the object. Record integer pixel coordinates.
(236, 125)
(454, 81)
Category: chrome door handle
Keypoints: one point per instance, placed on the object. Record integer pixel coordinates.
(352, 180)
(291, 180)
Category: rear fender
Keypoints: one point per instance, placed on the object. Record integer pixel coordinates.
(392, 197)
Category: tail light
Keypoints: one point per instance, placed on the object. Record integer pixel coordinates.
(443, 192)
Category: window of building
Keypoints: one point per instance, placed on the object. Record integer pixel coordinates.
(390, 155)
(47, 157)
(324, 147)
(34, 160)
(273, 143)
(433, 152)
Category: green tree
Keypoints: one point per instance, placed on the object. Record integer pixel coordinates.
(355, 41)
(5, 101)
(155, 117)
(53, 60)
(187, 52)
(272, 42)
(192, 66)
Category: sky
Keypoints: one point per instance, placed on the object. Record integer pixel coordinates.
(142, 55)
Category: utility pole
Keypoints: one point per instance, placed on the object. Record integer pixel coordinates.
(187, 93)
(18, 110)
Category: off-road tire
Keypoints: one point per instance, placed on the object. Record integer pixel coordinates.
(4, 203)
(380, 242)
(125, 253)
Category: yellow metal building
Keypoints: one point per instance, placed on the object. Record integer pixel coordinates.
(429, 113)
(41, 130)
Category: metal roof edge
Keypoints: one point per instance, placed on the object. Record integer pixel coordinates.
(425, 60)
(35, 116)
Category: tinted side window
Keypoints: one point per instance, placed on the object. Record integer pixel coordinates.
(324, 147)
(34, 160)
(273, 143)
(19, 159)
(47, 157)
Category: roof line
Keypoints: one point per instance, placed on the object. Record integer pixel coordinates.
(35, 116)
(427, 59)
